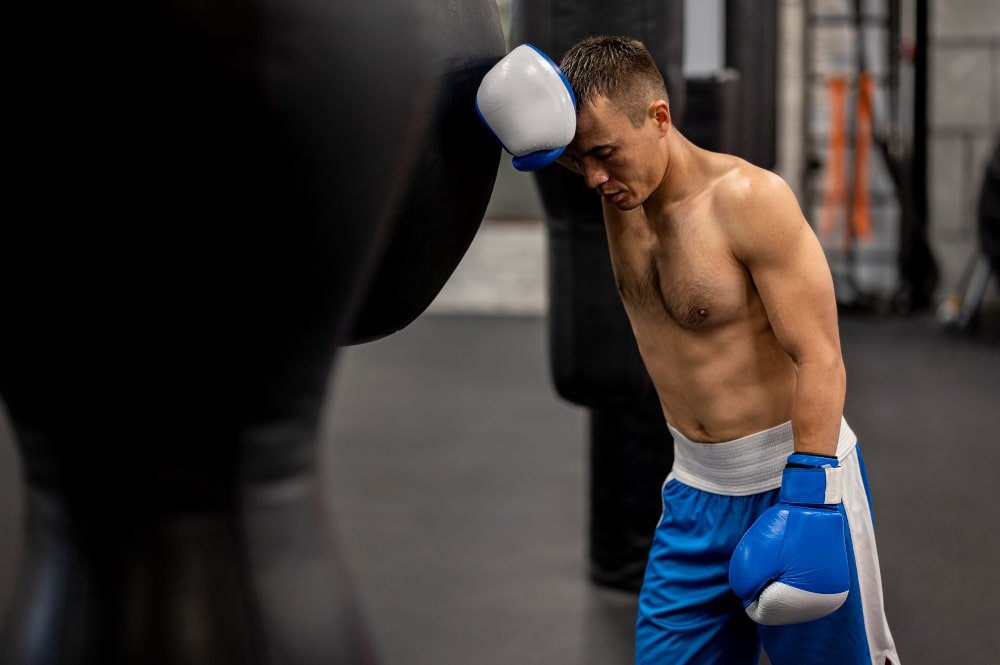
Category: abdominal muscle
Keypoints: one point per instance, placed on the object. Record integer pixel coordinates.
(718, 384)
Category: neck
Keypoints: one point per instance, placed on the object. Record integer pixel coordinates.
(684, 176)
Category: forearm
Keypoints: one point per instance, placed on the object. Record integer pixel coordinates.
(818, 406)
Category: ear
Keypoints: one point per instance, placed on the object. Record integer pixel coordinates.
(659, 111)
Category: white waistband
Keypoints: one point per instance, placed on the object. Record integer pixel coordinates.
(749, 465)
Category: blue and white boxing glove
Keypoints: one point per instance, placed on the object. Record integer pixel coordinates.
(791, 565)
(529, 106)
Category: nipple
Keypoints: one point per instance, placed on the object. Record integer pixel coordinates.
(702, 312)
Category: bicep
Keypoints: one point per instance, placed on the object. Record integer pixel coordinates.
(791, 274)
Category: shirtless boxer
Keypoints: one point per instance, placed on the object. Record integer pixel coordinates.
(732, 304)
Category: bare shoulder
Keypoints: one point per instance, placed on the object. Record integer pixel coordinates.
(745, 188)
(755, 205)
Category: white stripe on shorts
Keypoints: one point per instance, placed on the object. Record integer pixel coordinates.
(859, 518)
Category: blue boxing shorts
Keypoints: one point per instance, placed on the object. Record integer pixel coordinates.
(688, 614)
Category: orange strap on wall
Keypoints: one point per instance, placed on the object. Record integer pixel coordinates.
(861, 223)
(833, 197)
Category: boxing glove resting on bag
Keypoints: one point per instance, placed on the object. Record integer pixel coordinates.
(529, 106)
(791, 565)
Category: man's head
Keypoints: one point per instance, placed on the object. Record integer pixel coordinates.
(615, 67)
(622, 117)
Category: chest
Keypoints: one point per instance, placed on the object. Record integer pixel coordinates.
(692, 279)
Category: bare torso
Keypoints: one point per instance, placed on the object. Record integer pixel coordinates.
(700, 324)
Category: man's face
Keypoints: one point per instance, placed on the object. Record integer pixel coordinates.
(623, 163)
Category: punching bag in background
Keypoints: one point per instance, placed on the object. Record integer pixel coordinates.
(629, 458)
(989, 212)
(712, 111)
(446, 196)
(593, 354)
(752, 50)
(199, 202)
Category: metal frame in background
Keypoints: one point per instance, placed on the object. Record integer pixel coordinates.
(903, 156)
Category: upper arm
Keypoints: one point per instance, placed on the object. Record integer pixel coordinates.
(772, 239)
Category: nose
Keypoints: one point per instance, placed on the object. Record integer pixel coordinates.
(594, 176)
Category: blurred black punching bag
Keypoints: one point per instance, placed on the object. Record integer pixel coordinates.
(203, 193)
(595, 362)
(988, 212)
(713, 111)
(752, 50)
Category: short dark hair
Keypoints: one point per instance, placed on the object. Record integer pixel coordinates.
(616, 67)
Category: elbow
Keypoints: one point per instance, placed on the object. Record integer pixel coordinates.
(835, 369)
(826, 375)
(831, 364)
(836, 363)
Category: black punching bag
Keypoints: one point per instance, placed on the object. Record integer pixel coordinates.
(593, 355)
(201, 193)
(713, 110)
(447, 192)
(594, 359)
(989, 212)
(752, 50)
(630, 456)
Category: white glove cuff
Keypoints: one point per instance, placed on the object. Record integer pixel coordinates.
(834, 485)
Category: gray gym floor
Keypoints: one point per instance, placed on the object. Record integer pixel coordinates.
(456, 481)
